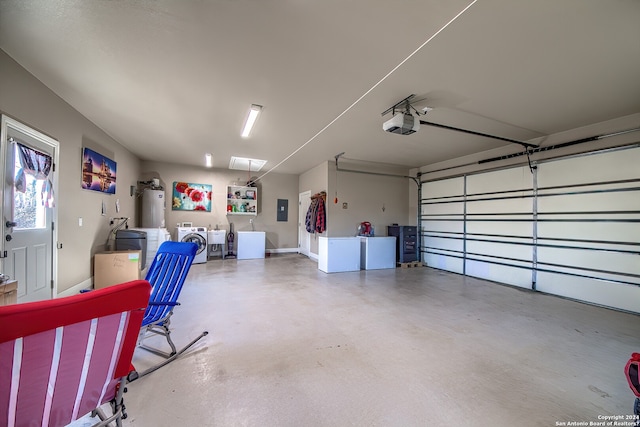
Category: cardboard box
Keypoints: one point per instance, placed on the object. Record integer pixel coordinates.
(9, 292)
(113, 268)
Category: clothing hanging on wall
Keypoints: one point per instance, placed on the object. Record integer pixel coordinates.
(315, 221)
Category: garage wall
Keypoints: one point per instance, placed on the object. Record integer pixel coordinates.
(315, 180)
(364, 196)
(568, 227)
(279, 234)
(25, 99)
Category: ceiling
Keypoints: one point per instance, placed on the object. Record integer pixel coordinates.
(172, 80)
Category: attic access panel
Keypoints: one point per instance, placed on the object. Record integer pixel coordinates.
(246, 164)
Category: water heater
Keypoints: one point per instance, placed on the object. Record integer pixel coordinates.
(152, 209)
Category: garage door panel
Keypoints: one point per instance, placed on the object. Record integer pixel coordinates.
(443, 226)
(453, 209)
(590, 260)
(603, 222)
(523, 229)
(595, 202)
(580, 226)
(600, 167)
(518, 178)
(621, 296)
(520, 277)
(503, 250)
(443, 262)
(450, 244)
(443, 188)
(501, 206)
(611, 231)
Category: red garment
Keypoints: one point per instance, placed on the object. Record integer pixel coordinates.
(321, 222)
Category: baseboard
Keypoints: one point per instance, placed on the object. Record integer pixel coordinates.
(87, 284)
(282, 251)
(313, 256)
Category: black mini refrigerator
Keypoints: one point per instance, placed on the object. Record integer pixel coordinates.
(406, 242)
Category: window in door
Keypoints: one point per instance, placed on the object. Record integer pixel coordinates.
(32, 190)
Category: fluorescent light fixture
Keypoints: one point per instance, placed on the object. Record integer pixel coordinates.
(251, 120)
(208, 161)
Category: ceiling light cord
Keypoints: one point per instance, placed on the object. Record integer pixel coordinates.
(368, 91)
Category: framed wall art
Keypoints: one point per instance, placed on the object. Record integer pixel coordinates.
(188, 196)
(98, 172)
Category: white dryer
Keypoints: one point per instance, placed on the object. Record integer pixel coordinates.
(197, 235)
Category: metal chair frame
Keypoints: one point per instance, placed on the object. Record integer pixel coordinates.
(167, 275)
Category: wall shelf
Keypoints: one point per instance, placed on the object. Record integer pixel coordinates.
(242, 200)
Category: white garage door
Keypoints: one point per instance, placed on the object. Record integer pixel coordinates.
(570, 227)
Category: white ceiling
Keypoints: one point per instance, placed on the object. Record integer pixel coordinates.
(174, 79)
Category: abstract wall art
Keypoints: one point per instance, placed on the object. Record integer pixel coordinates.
(188, 196)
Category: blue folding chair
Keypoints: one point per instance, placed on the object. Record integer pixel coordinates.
(166, 274)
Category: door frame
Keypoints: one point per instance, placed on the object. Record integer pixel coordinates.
(10, 123)
(302, 215)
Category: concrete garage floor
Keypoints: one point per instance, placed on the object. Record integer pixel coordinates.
(289, 345)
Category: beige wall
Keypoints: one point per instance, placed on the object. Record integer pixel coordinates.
(274, 186)
(381, 200)
(27, 100)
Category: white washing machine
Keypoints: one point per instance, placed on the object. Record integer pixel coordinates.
(197, 235)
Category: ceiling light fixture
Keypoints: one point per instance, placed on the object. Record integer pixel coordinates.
(251, 120)
(208, 160)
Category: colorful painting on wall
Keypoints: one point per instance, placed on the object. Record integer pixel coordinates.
(98, 172)
(191, 197)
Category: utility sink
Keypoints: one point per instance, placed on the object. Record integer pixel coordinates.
(216, 237)
(251, 244)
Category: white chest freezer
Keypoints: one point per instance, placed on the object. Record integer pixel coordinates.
(338, 254)
(377, 253)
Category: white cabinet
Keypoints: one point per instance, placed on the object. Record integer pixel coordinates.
(242, 200)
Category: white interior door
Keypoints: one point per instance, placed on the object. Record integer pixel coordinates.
(28, 212)
(304, 243)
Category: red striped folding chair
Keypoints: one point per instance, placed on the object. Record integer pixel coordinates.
(61, 359)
